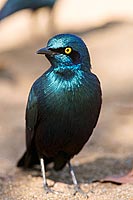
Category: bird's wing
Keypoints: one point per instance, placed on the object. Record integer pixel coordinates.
(98, 102)
(31, 118)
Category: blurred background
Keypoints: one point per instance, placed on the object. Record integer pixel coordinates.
(106, 26)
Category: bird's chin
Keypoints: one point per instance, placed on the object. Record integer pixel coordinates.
(49, 57)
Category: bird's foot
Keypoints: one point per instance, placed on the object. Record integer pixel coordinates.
(77, 189)
(128, 178)
(47, 189)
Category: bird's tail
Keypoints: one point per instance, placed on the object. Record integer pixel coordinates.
(29, 159)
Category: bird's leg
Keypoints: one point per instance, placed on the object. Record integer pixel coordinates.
(76, 185)
(73, 175)
(46, 188)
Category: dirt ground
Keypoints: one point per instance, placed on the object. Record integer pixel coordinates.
(110, 149)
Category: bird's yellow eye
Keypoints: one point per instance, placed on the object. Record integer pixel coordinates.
(68, 50)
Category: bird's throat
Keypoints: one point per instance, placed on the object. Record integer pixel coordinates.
(65, 79)
(65, 73)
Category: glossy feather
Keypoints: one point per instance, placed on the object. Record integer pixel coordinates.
(63, 105)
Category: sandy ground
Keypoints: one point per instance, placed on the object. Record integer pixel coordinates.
(109, 150)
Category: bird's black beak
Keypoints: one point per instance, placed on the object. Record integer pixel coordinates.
(45, 51)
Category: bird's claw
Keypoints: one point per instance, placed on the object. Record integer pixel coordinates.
(77, 189)
(47, 189)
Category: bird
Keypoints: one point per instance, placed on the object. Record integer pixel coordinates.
(12, 6)
(63, 107)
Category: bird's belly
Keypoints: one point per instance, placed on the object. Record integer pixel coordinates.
(63, 135)
(66, 125)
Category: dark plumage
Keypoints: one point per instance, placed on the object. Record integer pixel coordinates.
(12, 6)
(63, 105)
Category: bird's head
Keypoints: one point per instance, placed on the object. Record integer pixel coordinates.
(66, 50)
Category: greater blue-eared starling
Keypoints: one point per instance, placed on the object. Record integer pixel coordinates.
(12, 6)
(63, 106)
